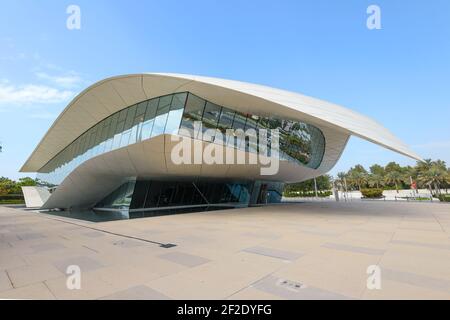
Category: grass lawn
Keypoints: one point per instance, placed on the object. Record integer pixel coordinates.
(12, 201)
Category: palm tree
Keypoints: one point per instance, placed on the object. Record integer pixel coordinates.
(423, 166)
(358, 176)
(410, 175)
(376, 177)
(341, 176)
(441, 164)
(447, 180)
(433, 176)
(375, 180)
(395, 177)
(341, 181)
(441, 168)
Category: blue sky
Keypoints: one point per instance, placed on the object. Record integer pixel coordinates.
(398, 75)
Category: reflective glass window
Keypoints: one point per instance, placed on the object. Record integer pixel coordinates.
(130, 117)
(252, 142)
(193, 112)
(175, 113)
(299, 142)
(137, 123)
(119, 128)
(161, 115)
(111, 132)
(226, 122)
(210, 120)
(126, 133)
(149, 118)
(239, 124)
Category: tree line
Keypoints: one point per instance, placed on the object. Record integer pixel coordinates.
(8, 186)
(427, 174)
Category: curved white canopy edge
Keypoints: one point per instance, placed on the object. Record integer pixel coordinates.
(113, 94)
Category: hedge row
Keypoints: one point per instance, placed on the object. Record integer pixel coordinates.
(372, 193)
(11, 197)
(308, 194)
(18, 201)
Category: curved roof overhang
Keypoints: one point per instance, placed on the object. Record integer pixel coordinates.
(113, 94)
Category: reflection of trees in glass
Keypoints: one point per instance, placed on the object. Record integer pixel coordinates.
(298, 141)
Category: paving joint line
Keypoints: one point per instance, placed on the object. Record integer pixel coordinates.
(9, 278)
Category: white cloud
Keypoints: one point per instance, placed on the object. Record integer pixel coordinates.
(69, 80)
(31, 94)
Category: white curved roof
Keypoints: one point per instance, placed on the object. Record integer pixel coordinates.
(113, 94)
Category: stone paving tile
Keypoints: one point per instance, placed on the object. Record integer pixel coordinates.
(364, 250)
(91, 288)
(30, 235)
(5, 283)
(275, 253)
(251, 293)
(182, 286)
(260, 235)
(418, 260)
(19, 229)
(85, 263)
(47, 247)
(137, 293)
(23, 276)
(416, 280)
(184, 259)
(9, 237)
(38, 291)
(194, 239)
(393, 290)
(233, 254)
(152, 231)
(128, 243)
(11, 261)
(94, 234)
(5, 245)
(422, 244)
(320, 233)
(274, 286)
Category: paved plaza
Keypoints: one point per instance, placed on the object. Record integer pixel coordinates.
(294, 251)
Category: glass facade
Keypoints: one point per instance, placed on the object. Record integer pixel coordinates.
(299, 142)
(168, 197)
(120, 198)
(136, 123)
(160, 194)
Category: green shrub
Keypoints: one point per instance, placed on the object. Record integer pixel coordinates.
(7, 197)
(11, 199)
(306, 194)
(444, 197)
(372, 193)
(18, 201)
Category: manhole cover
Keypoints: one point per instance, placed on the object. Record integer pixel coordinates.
(291, 285)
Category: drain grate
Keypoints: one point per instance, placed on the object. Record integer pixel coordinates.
(291, 285)
(168, 245)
